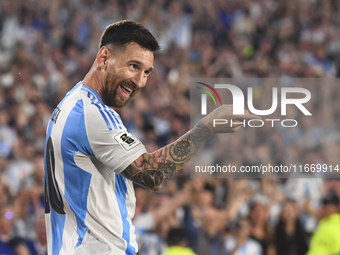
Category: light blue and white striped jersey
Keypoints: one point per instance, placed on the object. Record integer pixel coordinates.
(88, 205)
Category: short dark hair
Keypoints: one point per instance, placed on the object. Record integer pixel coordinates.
(330, 198)
(176, 236)
(123, 32)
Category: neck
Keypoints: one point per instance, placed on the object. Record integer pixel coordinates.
(290, 227)
(259, 223)
(93, 79)
(331, 213)
(242, 240)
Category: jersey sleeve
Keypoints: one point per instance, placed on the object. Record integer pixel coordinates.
(110, 142)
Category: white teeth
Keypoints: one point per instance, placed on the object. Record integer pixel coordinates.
(128, 89)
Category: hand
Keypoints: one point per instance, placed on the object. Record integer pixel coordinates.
(222, 120)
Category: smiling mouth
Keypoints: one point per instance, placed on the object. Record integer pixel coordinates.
(126, 89)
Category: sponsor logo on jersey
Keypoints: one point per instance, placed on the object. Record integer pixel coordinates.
(126, 140)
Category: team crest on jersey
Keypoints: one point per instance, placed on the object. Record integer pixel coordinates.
(127, 140)
(55, 114)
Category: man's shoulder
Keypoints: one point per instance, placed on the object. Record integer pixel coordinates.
(331, 223)
(328, 230)
(97, 112)
(174, 250)
(71, 95)
(333, 219)
(84, 101)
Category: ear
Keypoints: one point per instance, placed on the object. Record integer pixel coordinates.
(103, 57)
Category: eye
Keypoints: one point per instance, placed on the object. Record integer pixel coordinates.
(134, 67)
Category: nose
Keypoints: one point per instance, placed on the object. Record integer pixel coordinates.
(139, 79)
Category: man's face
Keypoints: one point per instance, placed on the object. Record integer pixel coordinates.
(126, 74)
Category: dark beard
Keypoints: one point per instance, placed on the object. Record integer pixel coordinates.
(108, 93)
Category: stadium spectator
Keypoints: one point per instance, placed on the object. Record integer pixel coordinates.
(20, 246)
(6, 230)
(177, 241)
(326, 239)
(289, 234)
(152, 226)
(8, 135)
(260, 231)
(209, 239)
(241, 243)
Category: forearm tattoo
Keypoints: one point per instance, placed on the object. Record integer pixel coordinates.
(158, 167)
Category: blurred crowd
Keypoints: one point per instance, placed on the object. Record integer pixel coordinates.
(46, 47)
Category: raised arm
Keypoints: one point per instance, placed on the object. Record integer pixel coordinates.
(152, 170)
